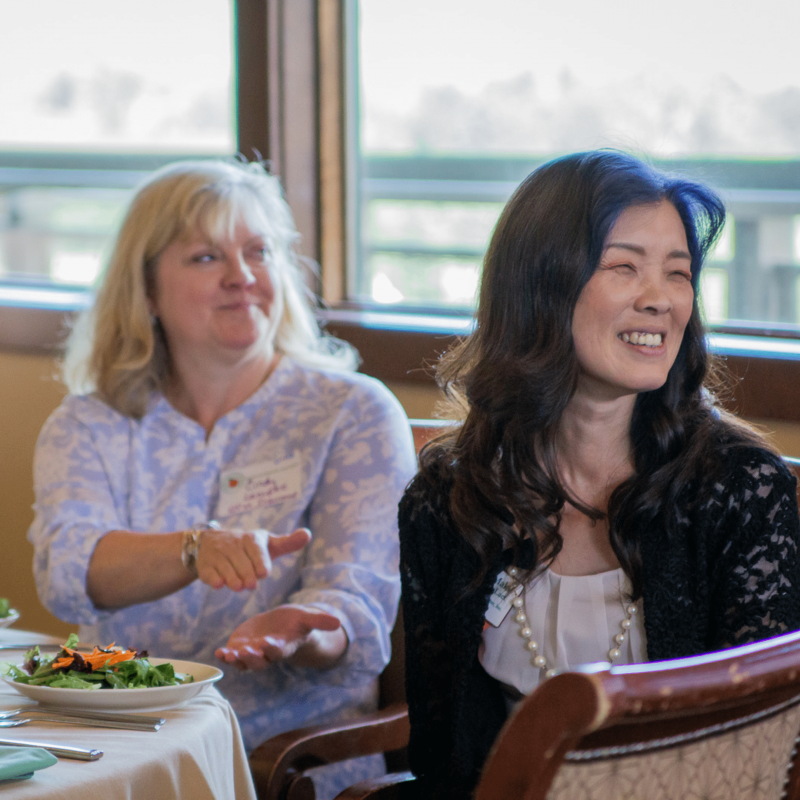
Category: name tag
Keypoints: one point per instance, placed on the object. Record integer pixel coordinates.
(505, 590)
(259, 486)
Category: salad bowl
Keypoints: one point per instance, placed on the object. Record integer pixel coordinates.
(156, 698)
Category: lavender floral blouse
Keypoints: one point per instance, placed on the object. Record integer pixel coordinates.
(352, 454)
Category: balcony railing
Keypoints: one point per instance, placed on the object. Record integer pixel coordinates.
(58, 211)
(756, 279)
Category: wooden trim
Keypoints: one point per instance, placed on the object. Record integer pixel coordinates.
(277, 102)
(259, 80)
(763, 388)
(253, 113)
(299, 119)
(35, 330)
(391, 354)
(757, 387)
(333, 250)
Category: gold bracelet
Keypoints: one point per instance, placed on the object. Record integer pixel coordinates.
(190, 546)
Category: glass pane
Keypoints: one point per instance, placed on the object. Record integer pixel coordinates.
(453, 113)
(101, 94)
(57, 234)
(99, 75)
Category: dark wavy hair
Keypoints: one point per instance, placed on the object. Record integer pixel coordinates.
(512, 378)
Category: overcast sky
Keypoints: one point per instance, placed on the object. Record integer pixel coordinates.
(61, 61)
(180, 50)
(471, 43)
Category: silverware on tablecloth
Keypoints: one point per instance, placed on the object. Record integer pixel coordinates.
(40, 645)
(62, 751)
(148, 723)
(88, 723)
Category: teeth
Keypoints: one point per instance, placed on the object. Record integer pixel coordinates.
(646, 339)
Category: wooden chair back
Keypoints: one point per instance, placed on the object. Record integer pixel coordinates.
(425, 429)
(722, 725)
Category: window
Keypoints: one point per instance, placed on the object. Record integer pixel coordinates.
(396, 223)
(101, 94)
(456, 106)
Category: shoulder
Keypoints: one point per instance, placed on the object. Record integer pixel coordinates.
(753, 494)
(337, 388)
(431, 551)
(357, 415)
(426, 501)
(80, 431)
(83, 411)
(748, 470)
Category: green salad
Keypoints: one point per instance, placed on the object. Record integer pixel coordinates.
(103, 668)
(5, 608)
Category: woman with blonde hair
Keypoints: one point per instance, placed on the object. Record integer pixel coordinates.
(210, 431)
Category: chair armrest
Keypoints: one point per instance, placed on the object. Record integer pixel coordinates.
(278, 760)
(395, 786)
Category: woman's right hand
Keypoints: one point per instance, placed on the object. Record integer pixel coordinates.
(239, 559)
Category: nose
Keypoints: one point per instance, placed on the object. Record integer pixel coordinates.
(238, 272)
(653, 297)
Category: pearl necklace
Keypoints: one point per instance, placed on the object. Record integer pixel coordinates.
(532, 646)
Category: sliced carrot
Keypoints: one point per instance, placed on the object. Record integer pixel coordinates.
(97, 659)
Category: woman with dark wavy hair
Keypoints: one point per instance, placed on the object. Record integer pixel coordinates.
(595, 503)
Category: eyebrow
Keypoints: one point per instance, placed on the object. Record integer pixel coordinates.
(635, 248)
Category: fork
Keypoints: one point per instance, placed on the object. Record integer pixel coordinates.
(136, 719)
(17, 718)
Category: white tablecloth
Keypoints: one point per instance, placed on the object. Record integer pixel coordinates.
(197, 755)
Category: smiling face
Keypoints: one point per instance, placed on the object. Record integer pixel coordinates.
(630, 317)
(217, 299)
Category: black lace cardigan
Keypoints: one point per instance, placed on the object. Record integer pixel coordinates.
(731, 575)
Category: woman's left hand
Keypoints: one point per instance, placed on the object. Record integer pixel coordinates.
(303, 634)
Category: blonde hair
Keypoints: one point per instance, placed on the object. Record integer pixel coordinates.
(117, 349)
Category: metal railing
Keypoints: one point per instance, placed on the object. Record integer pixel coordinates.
(763, 198)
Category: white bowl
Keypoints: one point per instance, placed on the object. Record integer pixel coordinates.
(157, 698)
(10, 619)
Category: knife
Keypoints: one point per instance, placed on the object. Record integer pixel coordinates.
(87, 722)
(40, 645)
(151, 722)
(62, 751)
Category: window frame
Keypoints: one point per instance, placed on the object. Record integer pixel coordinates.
(292, 68)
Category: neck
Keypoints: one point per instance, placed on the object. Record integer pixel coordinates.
(206, 392)
(594, 449)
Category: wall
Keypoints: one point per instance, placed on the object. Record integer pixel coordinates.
(419, 400)
(29, 392)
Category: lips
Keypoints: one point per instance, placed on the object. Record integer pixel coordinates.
(242, 305)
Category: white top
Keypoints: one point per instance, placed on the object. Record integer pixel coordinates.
(574, 619)
(349, 451)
